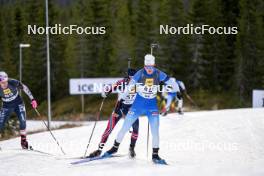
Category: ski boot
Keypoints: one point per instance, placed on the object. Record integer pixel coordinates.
(24, 142)
(113, 150)
(155, 157)
(132, 153)
(95, 154)
(180, 111)
(164, 112)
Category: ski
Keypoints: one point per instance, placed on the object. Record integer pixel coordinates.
(69, 158)
(85, 160)
(30, 148)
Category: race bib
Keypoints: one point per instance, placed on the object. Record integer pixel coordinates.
(148, 91)
(129, 99)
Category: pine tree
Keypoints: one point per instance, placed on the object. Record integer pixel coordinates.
(212, 49)
(175, 52)
(121, 37)
(249, 48)
(35, 62)
(59, 73)
(143, 31)
(6, 62)
(197, 68)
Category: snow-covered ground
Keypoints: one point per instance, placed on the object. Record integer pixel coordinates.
(206, 143)
(37, 125)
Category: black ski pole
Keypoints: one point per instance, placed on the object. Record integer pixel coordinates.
(97, 119)
(50, 132)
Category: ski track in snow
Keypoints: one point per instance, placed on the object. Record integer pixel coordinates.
(206, 143)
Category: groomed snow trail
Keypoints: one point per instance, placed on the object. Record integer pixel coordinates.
(206, 143)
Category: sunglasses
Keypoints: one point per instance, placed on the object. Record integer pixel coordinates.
(149, 67)
(2, 79)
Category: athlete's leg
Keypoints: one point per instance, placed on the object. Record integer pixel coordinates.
(20, 111)
(135, 126)
(169, 100)
(154, 126)
(153, 117)
(110, 126)
(134, 135)
(180, 105)
(168, 104)
(131, 117)
(4, 115)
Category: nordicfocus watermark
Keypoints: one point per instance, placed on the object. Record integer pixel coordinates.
(135, 88)
(58, 29)
(205, 146)
(190, 29)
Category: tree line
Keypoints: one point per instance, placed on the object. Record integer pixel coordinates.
(215, 63)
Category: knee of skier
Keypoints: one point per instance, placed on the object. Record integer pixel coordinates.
(154, 125)
(22, 126)
(129, 120)
(135, 126)
(22, 121)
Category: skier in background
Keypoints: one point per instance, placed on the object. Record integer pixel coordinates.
(178, 97)
(145, 103)
(12, 102)
(121, 109)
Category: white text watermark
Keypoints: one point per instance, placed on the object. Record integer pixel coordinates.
(190, 29)
(58, 29)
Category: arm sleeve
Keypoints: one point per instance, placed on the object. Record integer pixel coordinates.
(175, 87)
(136, 77)
(132, 83)
(168, 81)
(21, 86)
(163, 77)
(183, 86)
(26, 90)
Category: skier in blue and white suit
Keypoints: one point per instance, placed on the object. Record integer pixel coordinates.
(146, 82)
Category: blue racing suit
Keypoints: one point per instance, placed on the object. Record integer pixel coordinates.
(12, 102)
(145, 102)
